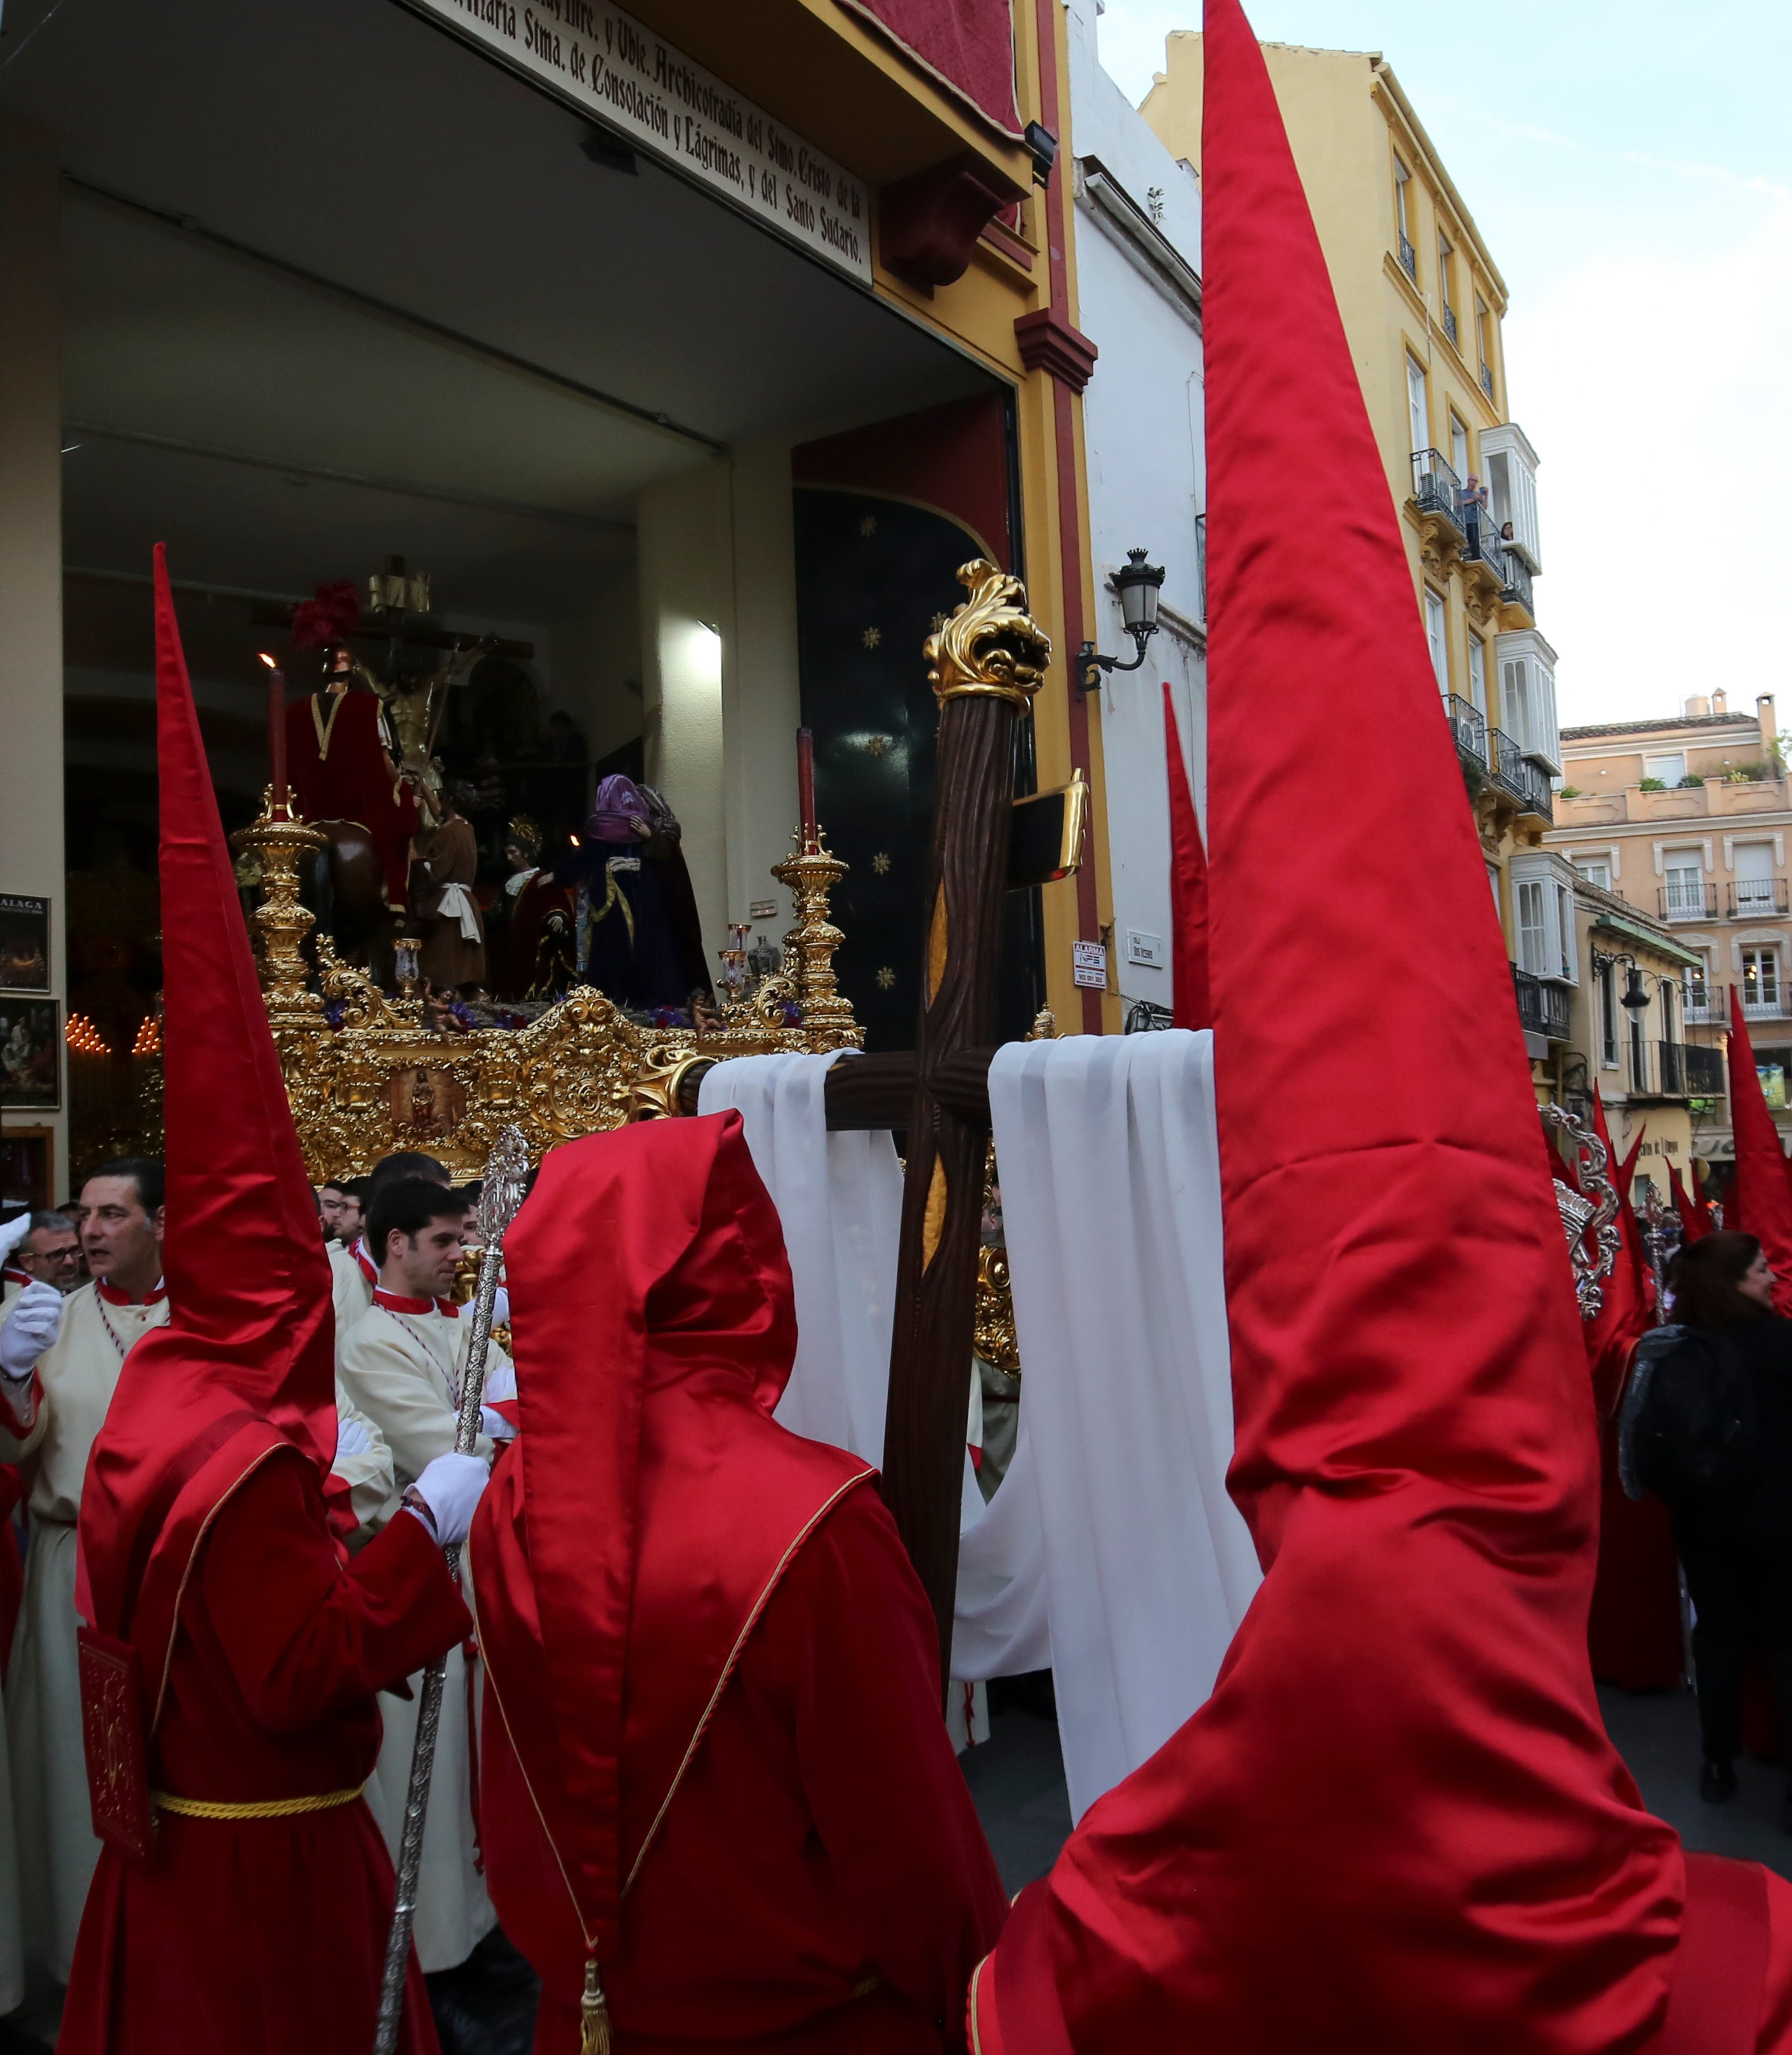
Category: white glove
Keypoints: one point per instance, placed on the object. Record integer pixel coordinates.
(495, 1424)
(351, 1438)
(34, 1322)
(449, 1489)
(15, 1232)
(502, 1384)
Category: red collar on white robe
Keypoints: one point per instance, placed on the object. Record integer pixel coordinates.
(114, 1297)
(396, 1301)
(9, 1276)
(359, 1251)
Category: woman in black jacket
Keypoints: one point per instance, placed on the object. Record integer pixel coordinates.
(1709, 1428)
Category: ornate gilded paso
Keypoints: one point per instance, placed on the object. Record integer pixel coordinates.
(367, 1073)
(990, 645)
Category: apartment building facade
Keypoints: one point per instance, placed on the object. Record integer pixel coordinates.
(1422, 303)
(1686, 820)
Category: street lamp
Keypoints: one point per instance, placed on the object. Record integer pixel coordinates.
(1138, 583)
(1633, 998)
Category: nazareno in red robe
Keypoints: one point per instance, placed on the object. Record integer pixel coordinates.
(267, 1935)
(209, 1558)
(1398, 1823)
(715, 1774)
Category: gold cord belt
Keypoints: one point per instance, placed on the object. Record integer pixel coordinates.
(264, 1808)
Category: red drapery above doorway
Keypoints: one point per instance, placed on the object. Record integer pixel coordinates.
(968, 45)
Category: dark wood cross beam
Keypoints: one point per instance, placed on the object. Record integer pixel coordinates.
(986, 664)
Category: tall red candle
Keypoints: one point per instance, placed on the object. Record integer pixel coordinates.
(276, 730)
(805, 781)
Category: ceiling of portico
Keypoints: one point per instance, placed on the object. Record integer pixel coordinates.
(336, 286)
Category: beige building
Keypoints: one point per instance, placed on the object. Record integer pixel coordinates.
(1627, 1033)
(1686, 819)
(1423, 300)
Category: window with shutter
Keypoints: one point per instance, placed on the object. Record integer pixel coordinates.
(1437, 636)
(1533, 933)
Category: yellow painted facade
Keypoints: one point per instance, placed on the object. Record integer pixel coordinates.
(870, 105)
(1422, 302)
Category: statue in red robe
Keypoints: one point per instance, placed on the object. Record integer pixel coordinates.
(720, 1805)
(340, 764)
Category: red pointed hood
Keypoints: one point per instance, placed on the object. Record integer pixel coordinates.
(1761, 1203)
(1696, 1222)
(1398, 1822)
(652, 1503)
(246, 1360)
(1188, 887)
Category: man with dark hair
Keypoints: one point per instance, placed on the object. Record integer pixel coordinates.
(52, 1403)
(353, 1270)
(401, 1365)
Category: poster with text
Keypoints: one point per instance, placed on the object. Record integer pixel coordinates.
(24, 943)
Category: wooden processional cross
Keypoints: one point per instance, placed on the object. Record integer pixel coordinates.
(986, 664)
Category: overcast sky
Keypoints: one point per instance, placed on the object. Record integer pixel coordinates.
(1629, 164)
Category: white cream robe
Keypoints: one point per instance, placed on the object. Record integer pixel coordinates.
(350, 1294)
(403, 1371)
(56, 1847)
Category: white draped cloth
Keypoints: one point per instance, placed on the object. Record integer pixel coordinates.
(1111, 1553)
(839, 1198)
(1121, 1532)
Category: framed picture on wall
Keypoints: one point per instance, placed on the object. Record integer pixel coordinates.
(30, 1053)
(24, 943)
(28, 1167)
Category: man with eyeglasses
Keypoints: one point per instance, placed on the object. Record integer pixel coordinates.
(48, 1253)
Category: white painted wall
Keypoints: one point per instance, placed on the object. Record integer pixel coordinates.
(721, 700)
(31, 845)
(1143, 423)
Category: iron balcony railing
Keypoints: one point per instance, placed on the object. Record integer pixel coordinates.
(1543, 1007)
(1752, 896)
(1469, 726)
(1673, 1070)
(1518, 588)
(1482, 542)
(1436, 488)
(1487, 380)
(1450, 322)
(1528, 783)
(1408, 258)
(1705, 1077)
(1687, 902)
(1703, 1005)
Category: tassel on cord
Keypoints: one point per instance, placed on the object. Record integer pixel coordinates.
(594, 2014)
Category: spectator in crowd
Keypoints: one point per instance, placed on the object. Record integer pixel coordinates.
(49, 1254)
(1707, 1425)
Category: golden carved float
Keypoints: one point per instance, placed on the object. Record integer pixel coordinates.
(366, 1074)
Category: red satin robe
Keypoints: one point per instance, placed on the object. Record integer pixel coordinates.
(267, 1936)
(351, 782)
(822, 1842)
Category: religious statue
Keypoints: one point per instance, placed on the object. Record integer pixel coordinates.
(639, 941)
(446, 863)
(340, 751)
(529, 926)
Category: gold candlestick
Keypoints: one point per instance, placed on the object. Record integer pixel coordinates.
(811, 872)
(277, 843)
